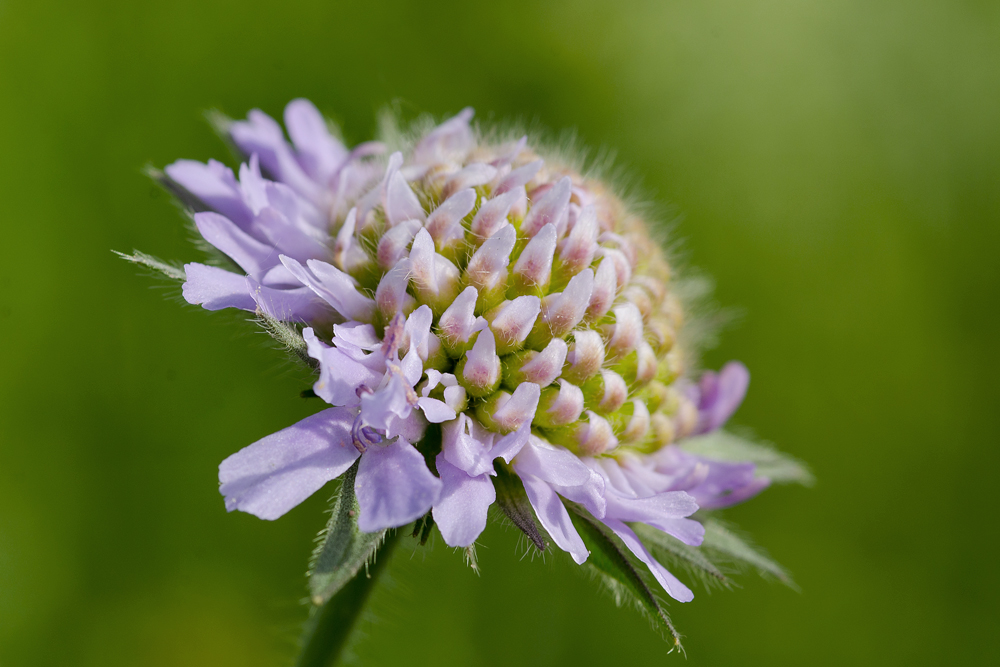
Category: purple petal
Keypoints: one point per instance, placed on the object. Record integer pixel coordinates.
(214, 184)
(275, 474)
(319, 153)
(333, 286)
(554, 518)
(721, 395)
(393, 486)
(670, 583)
(460, 513)
(214, 288)
(260, 134)
(378, 407)
(550, 463)
(291, 305)
(340, 376)
(435, 411)
(510, 445)
(590, 494)
(465, 448)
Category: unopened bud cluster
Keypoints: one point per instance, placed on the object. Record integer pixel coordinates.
(537, 278)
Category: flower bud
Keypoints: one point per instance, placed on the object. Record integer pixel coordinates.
(559, 406)
(605, 290)
(638, 424)
(518, 178)
(479, 369)
(585, 356)
(392, 246)
(626, 332)
(588, 437)
(504, 412)
(457, 324)
(391, 296)
(487, 270)
(576, 251)
(511, 322)
(533, 269)
(435, 279)
(492, 215)
(550, 209)
(473, 175)
(562, 311)
(445, 223)
(605, 392)
(541, 368)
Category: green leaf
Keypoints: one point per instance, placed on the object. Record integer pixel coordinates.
(158, 265)
(668, 548)
(724, 544)
(618, 571)
(344, 549)
(725, 446)
(512, 499)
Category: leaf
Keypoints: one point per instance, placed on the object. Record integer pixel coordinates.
(669, 548)
(722, 542)
(512, 499)
(344, 548)
(158, 265)
(618, 571)
(725, 446)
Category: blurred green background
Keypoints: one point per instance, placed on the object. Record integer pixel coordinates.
(836, 166)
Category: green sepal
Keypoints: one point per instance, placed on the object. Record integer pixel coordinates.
(725, 446)
(150, 262)
(512, 499)
(671, 550)
(343, 549)
(724, 545)
(288, 336)
(618, 571)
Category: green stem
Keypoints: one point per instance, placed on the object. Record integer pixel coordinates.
(330, 625)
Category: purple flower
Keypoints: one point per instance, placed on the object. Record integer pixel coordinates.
(467, 283)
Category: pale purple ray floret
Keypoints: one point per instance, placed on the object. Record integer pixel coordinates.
(499, 312)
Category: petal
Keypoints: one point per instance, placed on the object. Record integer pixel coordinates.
(670, 583)
(590, 494)
(214, 184)
(333, 286)
(551, 464)
(319, 152)
(510, 445)
(378, 407)
(393, 486)
(292, 305)
(435, 411)
(214, 288)
(275, 474)
(340, 376)
(721, 395)
(461, 511)
(554, 518)
(463, 447)
(252, 256)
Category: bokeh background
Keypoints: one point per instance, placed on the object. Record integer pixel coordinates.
(835, 167)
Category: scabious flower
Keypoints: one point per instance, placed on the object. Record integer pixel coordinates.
(473, 310)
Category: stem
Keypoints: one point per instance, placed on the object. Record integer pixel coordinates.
(330, 625)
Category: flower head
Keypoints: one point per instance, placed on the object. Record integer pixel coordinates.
(473, 287)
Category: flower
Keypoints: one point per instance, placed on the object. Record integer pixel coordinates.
(466, 286)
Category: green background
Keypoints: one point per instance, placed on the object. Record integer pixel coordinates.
(835, 166)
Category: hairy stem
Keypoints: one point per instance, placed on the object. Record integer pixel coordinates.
(330, 625)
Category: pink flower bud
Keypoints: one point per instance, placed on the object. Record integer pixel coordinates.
(551, 208)
(492, 215)
(391, 296)
(605, 290)
(559, 406)
(392, 246)
(505, 413)
(542, 368)
(585, 357)
(511, 322)
(533, 269)
(435, 279)
(445, 223)
(479, 370)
